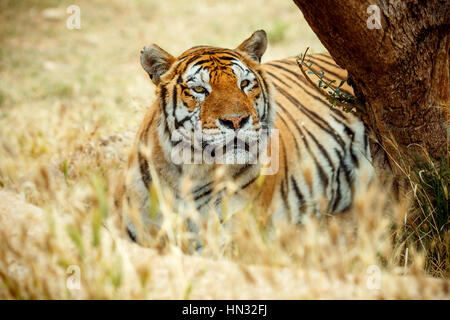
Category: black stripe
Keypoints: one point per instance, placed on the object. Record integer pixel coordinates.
(201, 187)
(320, 122)
(338, 192)
(278, 79)
(321, 172)
(366, 141)
(342, 165)
(322, 149)
(285, 183)
(197, 197)
(264, 90)
(179, 123)
(215, 51)
(208, 199)
(163, 107)
(325, 154)
(250, 182)
(131, 234)
(290, 131)
(218, 200)
(144, 169)
(195, 73)
(273, 64)
(201, 61)
(183, 66)
(210, 51)
(237, 65)
(228, 58)
(206, 193)
(300, 197)
(166, 126)
(351, 134)
(242, 170)
(175, 102)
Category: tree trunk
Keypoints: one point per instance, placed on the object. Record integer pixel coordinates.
(400, 71)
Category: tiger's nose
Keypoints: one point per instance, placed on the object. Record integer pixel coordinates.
(234, 122)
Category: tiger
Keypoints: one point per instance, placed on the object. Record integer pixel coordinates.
(322, 153)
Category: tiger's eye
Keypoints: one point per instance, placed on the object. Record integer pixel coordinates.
(244, 83)
(199, 89)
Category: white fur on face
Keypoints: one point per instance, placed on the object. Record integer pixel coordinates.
(243, 73)
(194, 77)
(197, 77)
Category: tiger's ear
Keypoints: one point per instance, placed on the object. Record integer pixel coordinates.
(255, 46)
(156, 62)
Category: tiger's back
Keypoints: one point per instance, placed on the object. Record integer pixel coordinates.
(324, 152)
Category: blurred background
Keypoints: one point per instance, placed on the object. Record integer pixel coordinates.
(61, 87)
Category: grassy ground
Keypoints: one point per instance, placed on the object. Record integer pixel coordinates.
(70, 102)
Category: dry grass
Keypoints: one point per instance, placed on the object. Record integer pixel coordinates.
(70, 101)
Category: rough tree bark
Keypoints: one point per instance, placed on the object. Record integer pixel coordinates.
(400, 71)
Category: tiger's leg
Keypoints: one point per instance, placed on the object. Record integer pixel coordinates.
(133, 203)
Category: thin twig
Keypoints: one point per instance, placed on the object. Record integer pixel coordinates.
(334, 102)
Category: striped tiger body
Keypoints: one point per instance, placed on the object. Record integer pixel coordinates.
(322, 154)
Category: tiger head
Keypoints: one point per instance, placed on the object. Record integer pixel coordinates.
(223, 94)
